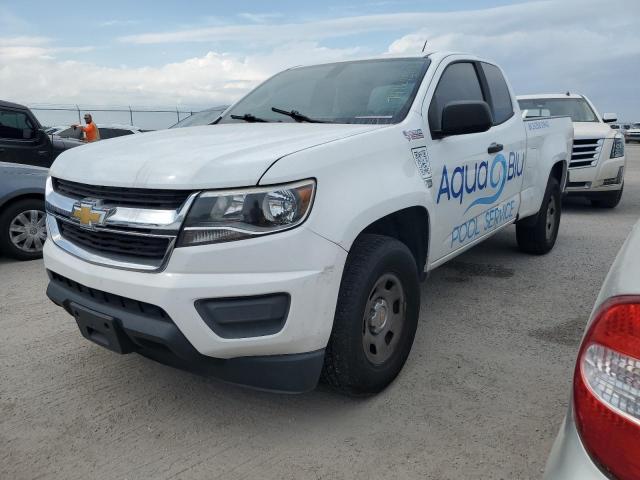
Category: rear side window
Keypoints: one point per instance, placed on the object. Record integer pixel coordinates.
(458, 82)
(500, 101)
(15, 125)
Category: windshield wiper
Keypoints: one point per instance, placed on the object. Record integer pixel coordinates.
(297, 116)
(248, 117)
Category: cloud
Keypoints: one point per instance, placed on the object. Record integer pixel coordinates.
(119, 23)
(276, 33)
(21, 48)
(548, 47)
(260, 17)
(510, 17)
(23, 41)
(212, 79)
(543, 46)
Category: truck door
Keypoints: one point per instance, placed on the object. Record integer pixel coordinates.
(21, 141)
(474, 187)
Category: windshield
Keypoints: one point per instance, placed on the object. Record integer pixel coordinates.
(576, 108)
(205, 117)
(367, 91)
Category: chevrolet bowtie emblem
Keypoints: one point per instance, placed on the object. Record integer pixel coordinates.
(89, 214)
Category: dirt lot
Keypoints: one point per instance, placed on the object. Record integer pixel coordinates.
(482, 395)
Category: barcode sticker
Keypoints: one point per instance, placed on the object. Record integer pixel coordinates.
(421, 157)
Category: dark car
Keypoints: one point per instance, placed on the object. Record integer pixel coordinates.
(22, 215)
(23, 141)
(205, 117)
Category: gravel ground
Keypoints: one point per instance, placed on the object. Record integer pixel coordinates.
(481, 396)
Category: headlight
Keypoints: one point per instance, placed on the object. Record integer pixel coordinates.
(226, 215)
(618, 146)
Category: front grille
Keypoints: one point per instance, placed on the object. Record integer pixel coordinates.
(115, 243)
(115, 301)
(124, 197)
(585, 152)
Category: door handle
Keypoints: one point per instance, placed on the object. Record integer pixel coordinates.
(43, 153)
(495, 148)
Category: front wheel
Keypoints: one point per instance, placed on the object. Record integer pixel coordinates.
(376, 316)
(23, 229)
(608, 199)
(538, 235)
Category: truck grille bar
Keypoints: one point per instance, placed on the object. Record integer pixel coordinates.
(586, 152)
(123, 197)
(138, 232)
(115, 243)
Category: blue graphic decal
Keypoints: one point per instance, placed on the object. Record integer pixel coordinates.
(481, 177)
(499, 183)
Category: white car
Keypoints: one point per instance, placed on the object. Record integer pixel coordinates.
(600, 437)
(107, 131)
(204, 117)
(621, 127)
(596, 170)
(632, 134)
(289, 238)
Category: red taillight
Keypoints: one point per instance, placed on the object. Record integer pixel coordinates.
(606, 388)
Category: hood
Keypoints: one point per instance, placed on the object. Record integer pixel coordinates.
(583, 130)
(212, 156)
(61, 144)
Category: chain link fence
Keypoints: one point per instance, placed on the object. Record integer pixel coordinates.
(146, 118)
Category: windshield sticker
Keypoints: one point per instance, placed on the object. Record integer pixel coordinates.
(421, 157)
(413, 134)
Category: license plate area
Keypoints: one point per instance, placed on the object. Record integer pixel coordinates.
(101, 329)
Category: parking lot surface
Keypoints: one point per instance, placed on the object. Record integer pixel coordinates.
(481, 396)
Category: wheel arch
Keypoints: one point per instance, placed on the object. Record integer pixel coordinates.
(19, 196)
(411, 226)
(559, 172)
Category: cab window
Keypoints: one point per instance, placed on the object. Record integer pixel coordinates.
(500, 98)
(459, 82)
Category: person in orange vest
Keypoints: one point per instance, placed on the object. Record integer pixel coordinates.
(91, 132)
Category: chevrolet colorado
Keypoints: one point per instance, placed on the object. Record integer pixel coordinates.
(288, 240)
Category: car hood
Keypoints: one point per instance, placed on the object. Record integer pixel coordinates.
(212, 156)
(582, 130)
(61, 143)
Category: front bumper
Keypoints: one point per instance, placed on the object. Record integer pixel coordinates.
(606, 176)
(299, 263)
(154, 335)
(568, 459)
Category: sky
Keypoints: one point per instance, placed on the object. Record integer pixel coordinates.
(197, 54)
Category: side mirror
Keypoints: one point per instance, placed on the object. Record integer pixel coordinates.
(609, 117)
(459, 118)
(29, 134)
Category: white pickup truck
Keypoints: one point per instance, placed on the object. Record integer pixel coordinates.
(289, 239)
(596, 169)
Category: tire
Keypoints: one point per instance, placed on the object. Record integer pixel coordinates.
(378, 304)
(538, 235)
(608, 199)
(23, 217)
